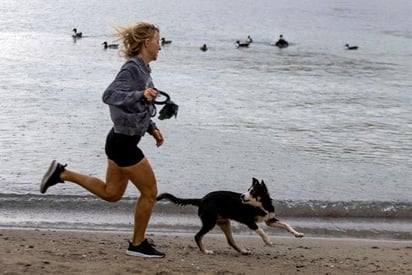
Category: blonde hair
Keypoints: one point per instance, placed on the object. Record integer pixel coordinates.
(134, 36)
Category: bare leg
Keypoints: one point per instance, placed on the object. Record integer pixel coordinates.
(112, 190)
(142, 176)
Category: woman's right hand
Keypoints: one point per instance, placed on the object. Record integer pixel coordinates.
(150, 94)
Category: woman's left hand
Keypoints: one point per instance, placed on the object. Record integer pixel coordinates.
(158, 137)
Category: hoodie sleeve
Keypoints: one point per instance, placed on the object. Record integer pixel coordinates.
(121, 92)
(152, 127)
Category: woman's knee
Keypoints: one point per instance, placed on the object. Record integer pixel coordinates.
(142, 176)
(149, 193)
(113, 197)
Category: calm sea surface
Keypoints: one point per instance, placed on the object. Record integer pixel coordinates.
(329, 130)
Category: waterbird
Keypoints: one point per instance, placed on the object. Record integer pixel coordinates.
(351, 47)
(281, 43)
(76, 34)
(203, 48)
(165, 42)
(242, 44)
(110, 46)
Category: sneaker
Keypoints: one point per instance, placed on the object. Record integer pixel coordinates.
(52, 176)
(145, 249)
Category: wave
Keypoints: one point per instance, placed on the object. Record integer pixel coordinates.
(353, 219)
(287, 208)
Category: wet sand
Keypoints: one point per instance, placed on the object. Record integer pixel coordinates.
(76, 252)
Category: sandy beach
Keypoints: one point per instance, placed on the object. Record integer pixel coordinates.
(76, 252)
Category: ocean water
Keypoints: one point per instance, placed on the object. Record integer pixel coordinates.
(329, 130)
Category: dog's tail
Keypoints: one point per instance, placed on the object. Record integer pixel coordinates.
(178, 201)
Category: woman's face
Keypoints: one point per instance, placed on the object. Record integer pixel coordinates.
(153, 46)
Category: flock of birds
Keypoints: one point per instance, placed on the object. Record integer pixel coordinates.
(78, 35)
(281, 43)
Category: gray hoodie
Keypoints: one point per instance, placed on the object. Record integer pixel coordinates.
(130, 112)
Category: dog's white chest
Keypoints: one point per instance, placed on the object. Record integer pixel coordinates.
(268, 216)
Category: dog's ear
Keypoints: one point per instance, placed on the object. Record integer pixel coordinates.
(264, 186)
(255, 181)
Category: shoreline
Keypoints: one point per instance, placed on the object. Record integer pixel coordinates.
(39, 251)
(214, 232)
(371, 220)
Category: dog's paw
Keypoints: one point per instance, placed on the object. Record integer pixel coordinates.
(209, 252)
(245, 252)
(269, 244)
(299, 235)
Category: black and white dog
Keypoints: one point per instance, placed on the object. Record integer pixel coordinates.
(219, 207)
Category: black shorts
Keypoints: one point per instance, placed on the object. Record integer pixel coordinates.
(122, 149)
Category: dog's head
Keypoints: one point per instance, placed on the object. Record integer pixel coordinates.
(257, 195)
